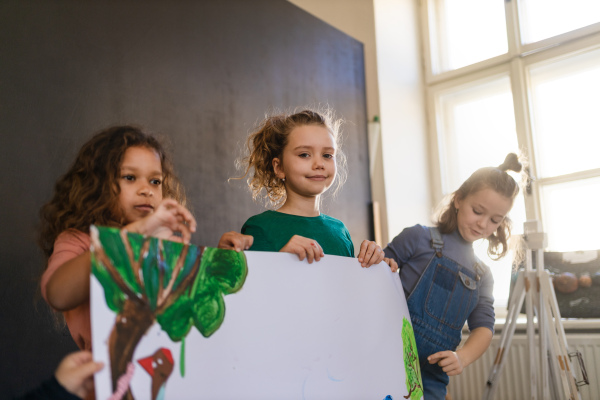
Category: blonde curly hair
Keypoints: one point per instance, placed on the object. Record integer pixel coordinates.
(268, 141)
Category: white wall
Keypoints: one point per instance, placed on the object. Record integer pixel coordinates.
(402, 104)
(394, 90)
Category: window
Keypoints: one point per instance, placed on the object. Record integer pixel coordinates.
(519, 75)
(455, 44)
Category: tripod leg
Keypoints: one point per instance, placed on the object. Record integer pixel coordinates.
(558, 340)
(542, 323)
(514, 307)
(529, 299)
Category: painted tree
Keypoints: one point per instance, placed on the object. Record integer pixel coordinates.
(414, 383)
(148, 280)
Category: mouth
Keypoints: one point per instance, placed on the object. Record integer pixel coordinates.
(317, 177)
(144, 207)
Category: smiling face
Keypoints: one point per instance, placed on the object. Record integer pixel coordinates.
(140, 181)
(308, 161)
(480, 213)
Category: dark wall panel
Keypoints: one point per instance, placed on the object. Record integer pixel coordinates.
(201, 73)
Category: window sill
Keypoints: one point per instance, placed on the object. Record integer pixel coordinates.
(570, 325)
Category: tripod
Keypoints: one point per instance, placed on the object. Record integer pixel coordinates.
(534, 286)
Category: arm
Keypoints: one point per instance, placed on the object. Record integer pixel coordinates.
(453, 362)
(69, 285)
(403, 247)
(66, 288)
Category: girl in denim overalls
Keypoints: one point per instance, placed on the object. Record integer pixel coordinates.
(444, 282)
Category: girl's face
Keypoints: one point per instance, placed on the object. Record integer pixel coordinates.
(140, 181)
(480, 213)
(308, 161)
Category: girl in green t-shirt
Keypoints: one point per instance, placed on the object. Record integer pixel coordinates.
(296, 158)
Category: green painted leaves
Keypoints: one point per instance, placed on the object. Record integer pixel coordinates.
(414, 385)
(183, 286)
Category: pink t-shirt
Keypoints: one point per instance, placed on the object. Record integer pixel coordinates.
(68, 245)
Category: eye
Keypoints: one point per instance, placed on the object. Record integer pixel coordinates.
(496, 221)
(155, 182)
(128, 177)
(303, 155)
(477, 212)
(329, 156)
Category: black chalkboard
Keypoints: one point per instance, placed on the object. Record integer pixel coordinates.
(200, 73)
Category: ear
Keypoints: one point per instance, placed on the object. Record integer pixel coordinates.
(457, 200)
(277, 168)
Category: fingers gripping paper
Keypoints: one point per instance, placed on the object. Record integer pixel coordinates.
(185, 322)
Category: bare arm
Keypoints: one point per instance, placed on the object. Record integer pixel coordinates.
(453, 362)
(69, 286)
(476, 344)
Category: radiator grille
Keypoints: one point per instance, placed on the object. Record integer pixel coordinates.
(514, 384)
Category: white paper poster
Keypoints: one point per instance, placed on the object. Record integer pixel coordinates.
(276, 328)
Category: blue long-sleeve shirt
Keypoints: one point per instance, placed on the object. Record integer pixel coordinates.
(412, 251)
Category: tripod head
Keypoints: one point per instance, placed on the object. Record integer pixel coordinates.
(533, 236)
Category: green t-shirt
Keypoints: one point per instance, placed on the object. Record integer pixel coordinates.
(272, 230)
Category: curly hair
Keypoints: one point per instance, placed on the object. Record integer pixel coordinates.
(88, 192)
(268, 141)
(497, 179)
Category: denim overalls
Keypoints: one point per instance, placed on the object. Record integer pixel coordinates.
(439, 305)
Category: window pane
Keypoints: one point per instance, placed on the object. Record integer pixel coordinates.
(571, 215)
(501, 270)
(478, 130)
(566, 120)
(541, 19)
(466, 32)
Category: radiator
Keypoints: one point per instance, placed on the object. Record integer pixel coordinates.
(514, 382)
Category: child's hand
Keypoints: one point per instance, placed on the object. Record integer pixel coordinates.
(304, 247)
(75, 373)
(392, 263)
(235, 241)
(448, 360)
(168, 218)
(370, 254)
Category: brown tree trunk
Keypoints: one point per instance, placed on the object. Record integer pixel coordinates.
(130, 325)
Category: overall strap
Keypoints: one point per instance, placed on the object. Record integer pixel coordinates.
(436, 241)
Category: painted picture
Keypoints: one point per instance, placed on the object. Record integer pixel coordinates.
(174, 321)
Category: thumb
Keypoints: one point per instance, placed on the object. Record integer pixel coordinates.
(90, 368)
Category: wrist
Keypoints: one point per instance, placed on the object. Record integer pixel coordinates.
(463, 357)
(134, 227)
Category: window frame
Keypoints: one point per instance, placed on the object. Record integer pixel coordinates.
(514, 64)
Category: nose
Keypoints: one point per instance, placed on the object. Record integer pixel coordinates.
(482, 222)
(319, 163)
(145, 190)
